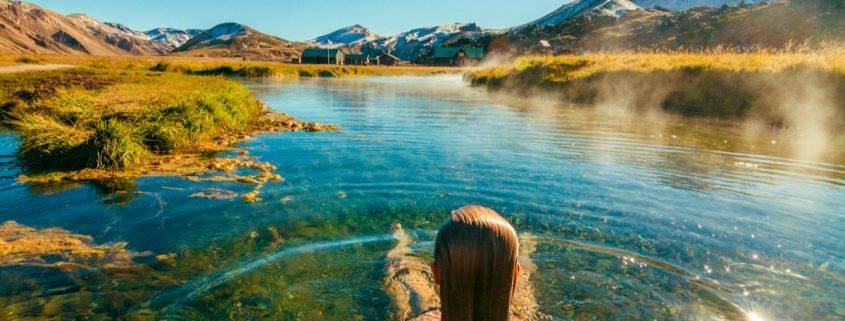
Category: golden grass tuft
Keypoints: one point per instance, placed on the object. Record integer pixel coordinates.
(719, 85)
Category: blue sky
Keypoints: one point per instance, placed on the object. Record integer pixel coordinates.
(305, 19)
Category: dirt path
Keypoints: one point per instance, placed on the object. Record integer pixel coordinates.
(24, 68)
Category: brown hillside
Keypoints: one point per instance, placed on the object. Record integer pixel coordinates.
(133, 42)
(27, 28)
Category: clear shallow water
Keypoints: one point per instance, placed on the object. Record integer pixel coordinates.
(635, 218)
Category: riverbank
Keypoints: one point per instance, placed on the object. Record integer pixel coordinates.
(101, 125)
(774, 88)
(232, 67)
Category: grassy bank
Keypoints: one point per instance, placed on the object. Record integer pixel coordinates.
(728, 86)
(231, 67)
(90, 124)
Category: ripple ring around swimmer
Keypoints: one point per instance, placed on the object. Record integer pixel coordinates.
(704, 288)
(202, 286)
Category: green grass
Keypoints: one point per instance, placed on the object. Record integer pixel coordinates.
(96, 119)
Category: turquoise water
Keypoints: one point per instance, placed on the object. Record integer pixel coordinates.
(636, 218)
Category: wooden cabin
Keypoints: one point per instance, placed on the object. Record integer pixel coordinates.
(387, 59)
(358, 59)
(320, 56)
(457, 56)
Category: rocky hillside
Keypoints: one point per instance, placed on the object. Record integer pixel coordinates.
(235, 40)
(120, 36)
(28, 28)
(749, 27)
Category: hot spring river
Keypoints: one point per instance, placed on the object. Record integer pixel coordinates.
(640, 219)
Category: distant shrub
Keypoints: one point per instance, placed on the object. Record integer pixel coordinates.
(234, 71)
(27, 60)
(160, 66)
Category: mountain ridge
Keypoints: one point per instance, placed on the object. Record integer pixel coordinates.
(577, 8)
(354, 35)
(235, 40)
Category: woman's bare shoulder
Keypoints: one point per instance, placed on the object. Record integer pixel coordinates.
(434, 315)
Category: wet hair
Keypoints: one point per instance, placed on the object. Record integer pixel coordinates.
(475, 255)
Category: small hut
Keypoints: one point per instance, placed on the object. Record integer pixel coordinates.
(387, 59)
(321, 56)
(457, 56)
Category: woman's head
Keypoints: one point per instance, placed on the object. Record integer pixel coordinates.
(475, 264)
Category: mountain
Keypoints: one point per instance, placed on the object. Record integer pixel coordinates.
(120, 36)
(345, 37)
(239, 41)
(681, 5)
(171, 37)
(28, 28)
(767, 25)
(412, 44)
(579, 8)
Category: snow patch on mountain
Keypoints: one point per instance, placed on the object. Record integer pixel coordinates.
(576, 8)
(94, 26)
(226, 31)
(172, 37)
(411, 44)
(345, 37)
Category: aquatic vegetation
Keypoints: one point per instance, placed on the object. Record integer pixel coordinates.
(719, 85)
(55, 247)
(91, 124)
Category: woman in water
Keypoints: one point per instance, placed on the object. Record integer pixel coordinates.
(477, 266)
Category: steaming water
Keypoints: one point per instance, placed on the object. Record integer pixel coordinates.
(635, 219)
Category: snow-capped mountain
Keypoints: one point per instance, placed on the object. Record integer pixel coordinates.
(577, 8)
(221, 34)
(411, 44)
(680, 5)
(345, 37)
(172, 37)
(232, 34)
(237, 40)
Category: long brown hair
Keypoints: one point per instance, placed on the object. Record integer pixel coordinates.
(475, 256)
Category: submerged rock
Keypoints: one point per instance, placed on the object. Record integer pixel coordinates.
(287, 199)
(215, 194)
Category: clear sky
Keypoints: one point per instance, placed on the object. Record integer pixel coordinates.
(306, 19)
